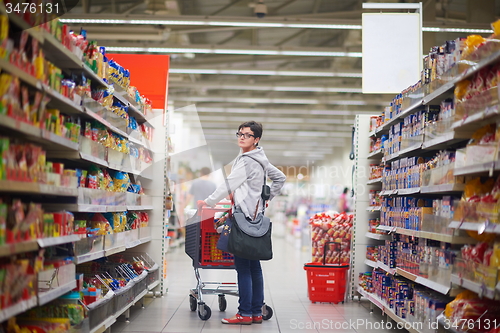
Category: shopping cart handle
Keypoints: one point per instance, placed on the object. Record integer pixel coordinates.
(200, 204)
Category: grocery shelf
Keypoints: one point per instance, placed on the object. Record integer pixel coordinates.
(62, 102)
(427, 235)
(443, 188)
(408, 191)
(48, 296)
(388, 192)
(18, 308)
(437, 95)
(59, 54)
(376, 154)
(6, 66)
(406, 112)
(478, 288)
(36, 188)
(115, 250)
(374, 208)
(46, 242)
(425, 282)
(112, 319)
(77, 208)
(60, 141)
(404, 152)
(386, 268)
(488, 227)
(372, 133)
(21, 247)
(146, 239)
(138, 142)
(445, 140)
(123, 97)
(140, 208)
(377, 236)
(153, 285)
(371, 263)
(88, 257)
(114, 209)
(374, 181)
(35, 244)
(447, 326)
(445, 238)
(388, 311)
(477, 169)
(103, 121)
(472, 122)
(33, 133)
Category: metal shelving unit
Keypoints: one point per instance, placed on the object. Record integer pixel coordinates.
(459, 133)
(58, 147)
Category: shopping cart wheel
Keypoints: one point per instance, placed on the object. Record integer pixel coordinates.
(222, 303)
(193, 304)
(204, 311)
(267, 312)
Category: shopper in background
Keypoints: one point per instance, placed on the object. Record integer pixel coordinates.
(343, 205)
(245, 184)
(201, 187)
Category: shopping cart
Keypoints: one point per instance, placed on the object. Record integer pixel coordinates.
(201, 246)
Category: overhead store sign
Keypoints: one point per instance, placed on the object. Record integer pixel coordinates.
(149, 74)
(392, 48)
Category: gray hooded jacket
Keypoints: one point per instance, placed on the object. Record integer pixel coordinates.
(246, 180)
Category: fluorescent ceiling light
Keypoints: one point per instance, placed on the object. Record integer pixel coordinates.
(255, 24)
(247, 24)
(352, 103)
(322, 54)
(214, 50)
(324, 26)
(311, 133)
(252, 52)
(261, 72)
(460, 30)
(332, 112)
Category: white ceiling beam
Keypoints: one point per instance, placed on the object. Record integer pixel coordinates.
(313, 114)
(211, 85)
(235, 50)
(351, 73)
(278, 100)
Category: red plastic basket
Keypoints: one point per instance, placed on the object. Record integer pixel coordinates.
(210, 254)
(326, 283)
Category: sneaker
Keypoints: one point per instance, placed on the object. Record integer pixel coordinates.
(257, 319)
(237, 320)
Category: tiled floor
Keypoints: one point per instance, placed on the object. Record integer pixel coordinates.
(285, 292)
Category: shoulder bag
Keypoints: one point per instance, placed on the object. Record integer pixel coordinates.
(251, 239)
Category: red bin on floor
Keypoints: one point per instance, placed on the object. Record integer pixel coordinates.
(326, 283)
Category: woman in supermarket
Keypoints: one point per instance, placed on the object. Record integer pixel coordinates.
(343, 205)
(245, 185)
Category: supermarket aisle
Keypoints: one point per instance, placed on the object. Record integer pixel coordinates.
(286, 293)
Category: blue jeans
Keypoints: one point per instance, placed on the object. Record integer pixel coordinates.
(250, 287)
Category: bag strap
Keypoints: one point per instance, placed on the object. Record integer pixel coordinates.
(263, 202)
(229, 189)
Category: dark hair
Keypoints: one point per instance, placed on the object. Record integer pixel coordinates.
(255, 127)
(346, 190)
(205, 171)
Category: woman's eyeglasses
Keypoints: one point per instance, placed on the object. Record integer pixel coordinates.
(245, 135)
